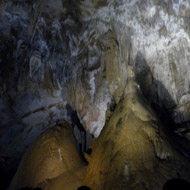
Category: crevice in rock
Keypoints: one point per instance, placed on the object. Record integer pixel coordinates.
(79, 132)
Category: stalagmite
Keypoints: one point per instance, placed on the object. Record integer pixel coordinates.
(133, 151)
(69, 180)
(34, 19)
(52, 153)
(59, 57)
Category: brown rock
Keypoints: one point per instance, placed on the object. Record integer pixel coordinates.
(52, 153)
(133, 151)
(69, 180)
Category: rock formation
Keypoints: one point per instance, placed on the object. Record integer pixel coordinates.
(70, 180)
(52, 153)
(62, 55)
(134, 151)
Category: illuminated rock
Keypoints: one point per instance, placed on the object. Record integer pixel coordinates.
(69, 52)
(133, 151)
(69, 180)
(52, 153)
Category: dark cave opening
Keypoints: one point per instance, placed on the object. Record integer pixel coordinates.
(176, 184)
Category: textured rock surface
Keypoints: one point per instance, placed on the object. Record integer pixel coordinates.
(55, 53)
(69, 180)
(134, 151)
(52, 153)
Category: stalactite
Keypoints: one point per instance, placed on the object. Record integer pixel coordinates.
(34, 18)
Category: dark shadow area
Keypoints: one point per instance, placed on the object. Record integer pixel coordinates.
(154, 91)
(89, 151)
(81, 136)
(27, 188)
(152, 88)
(176, 184)
(84, 188)
(5, 179)
(160, 100)
(157, 94)
(7, 175)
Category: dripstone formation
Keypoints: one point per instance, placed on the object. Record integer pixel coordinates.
(116, 71)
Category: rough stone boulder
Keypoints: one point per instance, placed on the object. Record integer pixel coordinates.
(51, 154)
(134, 151)
(70, 180)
